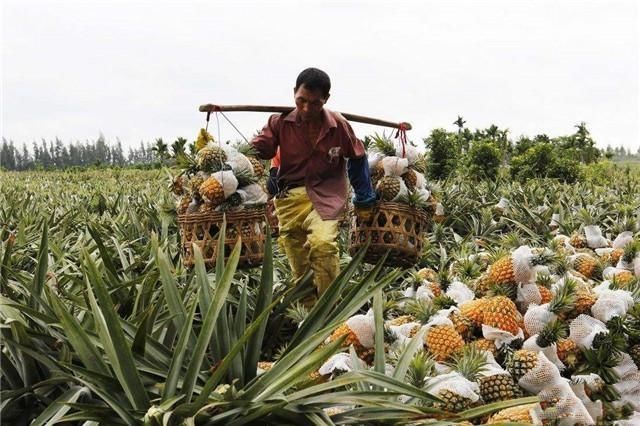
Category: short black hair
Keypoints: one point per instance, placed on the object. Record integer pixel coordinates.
(314, 79)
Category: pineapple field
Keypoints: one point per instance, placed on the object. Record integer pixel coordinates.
(522, 307)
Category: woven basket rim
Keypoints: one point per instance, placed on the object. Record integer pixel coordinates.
(401, 208)
(233, 215)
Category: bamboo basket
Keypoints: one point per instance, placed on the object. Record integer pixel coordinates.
(395, 228)
(202, 229)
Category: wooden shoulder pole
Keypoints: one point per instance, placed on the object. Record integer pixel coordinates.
(283, 109)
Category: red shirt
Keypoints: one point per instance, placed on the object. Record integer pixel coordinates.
(320, 166)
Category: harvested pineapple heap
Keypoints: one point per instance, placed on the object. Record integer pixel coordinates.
(219, 178)
(397, 173)
(560, 322)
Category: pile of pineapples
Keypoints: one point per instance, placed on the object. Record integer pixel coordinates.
(398, 172)
(218, 178)
(559, 322)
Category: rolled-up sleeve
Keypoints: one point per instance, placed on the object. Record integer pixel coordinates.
(267, 141)
(352, 147)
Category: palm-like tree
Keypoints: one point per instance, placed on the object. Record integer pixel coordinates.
(177, 147)
(160, 150)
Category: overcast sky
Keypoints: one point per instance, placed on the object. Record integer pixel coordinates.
(138, 70)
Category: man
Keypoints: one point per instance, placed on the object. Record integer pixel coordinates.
(312, 143)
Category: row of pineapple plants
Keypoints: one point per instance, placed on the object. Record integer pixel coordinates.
(91, 219)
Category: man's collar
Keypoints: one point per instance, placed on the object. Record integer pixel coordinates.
(329, 119)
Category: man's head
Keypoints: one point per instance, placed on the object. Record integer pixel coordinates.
(311, 92)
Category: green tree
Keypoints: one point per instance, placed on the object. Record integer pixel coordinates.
(483, 160)
(444, 151)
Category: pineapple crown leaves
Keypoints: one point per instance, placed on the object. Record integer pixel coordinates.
(551, 333)
(544, 280)
(565, 297)
(422, 365)
(245, 177)
(611, 342)
(246, 149)
(383, 144)
(421, 310)
(601, 361)
(187, 163)
(512, 240)
(297, 313)
(631, 250)
(509, 291)
(470, 362)
(414, 199)
(443, 302)
(546, 256)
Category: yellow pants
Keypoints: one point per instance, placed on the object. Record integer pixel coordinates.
(307, 239)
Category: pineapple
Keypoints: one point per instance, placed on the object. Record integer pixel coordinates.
(578, 240)
(584, 300)
(521, 362)
(377, 173)
(587, 265)
(498, 387)
(250, 152)
(177, 185)
(545, 294)
(212, 191)
(462, 324)
(551, 333)
(194, 185)
(500, 312)
(622, 279)
(473, 310)
(388, 188)
(502, 271)
(519, 414)
(183, 204)
(211, 159)
(482, 284)
(410, 179)
(443, 341)
(351, 339)
(427, 274)
(563, 302)
(485, 345)
(470, 362)
(568, 352)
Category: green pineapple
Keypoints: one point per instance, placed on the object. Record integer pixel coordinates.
(388, 188)
(499, 387)
(211, 159)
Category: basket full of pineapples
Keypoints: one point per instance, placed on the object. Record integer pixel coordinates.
(405, 207)
(221, 183)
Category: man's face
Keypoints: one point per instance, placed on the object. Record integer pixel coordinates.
(309, 102)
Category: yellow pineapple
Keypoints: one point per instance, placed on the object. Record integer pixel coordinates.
(623, 278)
(462, 324)
(502, 272)
(578, 240)
(427, 274)
(568, 352)
(212, 191)
(498, 387)
(485, 345)
(473, 310)
(545, 294)
(518, 414)
(183, 204)
(585, 298)
(443, 341)
(521, 362)
(587, 265)
(377, 173)
(500, 312)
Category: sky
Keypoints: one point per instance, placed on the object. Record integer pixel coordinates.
(138, 70)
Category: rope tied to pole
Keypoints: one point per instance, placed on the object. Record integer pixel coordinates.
(401, 134)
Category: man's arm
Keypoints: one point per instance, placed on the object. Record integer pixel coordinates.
(267, 141)
(357, 166)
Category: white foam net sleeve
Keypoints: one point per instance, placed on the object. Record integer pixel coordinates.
(456, 383)
(594, 237)
(622, 240)
(340, 361)
(549, 351)
(374, 157)
(522, 264)
(253, 194)
(636, 267)
(424, 293)
(394, 166)
(439, 209)
(612, 303)
(503, 203)
(500, 337)
(528, 294)
(228, 181)
(492, 368)
(567, 408)
(364, 328)
(536, 317)
(633, 420)
(410, 152)
(543, 375)
(594, 408)
(421, 181)
(459, 292)
(626, 368)
(238, 161)
(584, 328)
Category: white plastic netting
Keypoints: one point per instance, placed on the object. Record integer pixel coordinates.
(536, 317)
(522, 268)
(622, 240)
(341, 362)
(528, 294)
(594, 237)
(612, 303)
(424, 292)
(363, 326)
(456, 383)
(394, 166)
(500, 337)
(549, 351)
(228, 181)
(459, 292)
(584, 328)
(253, 194)
(239, 162)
